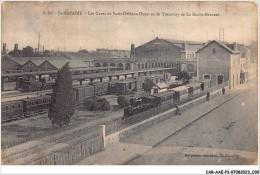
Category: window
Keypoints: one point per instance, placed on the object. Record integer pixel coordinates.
(214, 51)
(6, 107)
(206, 76)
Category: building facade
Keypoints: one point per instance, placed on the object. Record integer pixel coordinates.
(167, 53)
(157, 53)
(218, 62)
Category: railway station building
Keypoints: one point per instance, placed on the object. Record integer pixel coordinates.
(219, 63)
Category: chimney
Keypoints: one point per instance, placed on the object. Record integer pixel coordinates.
(235, 46)
(132, 53)
(4, 48)
(15, 47)
(43, 48)
(183, 46)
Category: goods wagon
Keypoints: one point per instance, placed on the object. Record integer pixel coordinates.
(30, 86)
(112, 86)
(82, 91)
(125, 87)
(100, 88)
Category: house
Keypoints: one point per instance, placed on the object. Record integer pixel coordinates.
(219, 63)
(159, 87)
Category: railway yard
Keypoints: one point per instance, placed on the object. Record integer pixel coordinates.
(33, 130)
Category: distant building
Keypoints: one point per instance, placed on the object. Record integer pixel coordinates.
(34, 64)
(114, 53)
(253, 52)
(189, 60)
(4, 49)
(218, 62)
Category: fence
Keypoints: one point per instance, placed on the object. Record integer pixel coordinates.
(65, 152)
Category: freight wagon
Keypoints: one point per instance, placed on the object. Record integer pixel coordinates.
(81, 92)
(100, 88)
(125, 87)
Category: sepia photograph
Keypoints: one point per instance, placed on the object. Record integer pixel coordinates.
(129, 83)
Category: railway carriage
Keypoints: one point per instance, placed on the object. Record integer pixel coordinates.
(205, 84)
(180, 94)
(194, 89)
(36, 105)
(11, 110)
(163, 97)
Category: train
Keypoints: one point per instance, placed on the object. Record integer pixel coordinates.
(27, 107)
(178, 95)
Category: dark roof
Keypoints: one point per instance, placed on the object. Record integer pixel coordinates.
(221, 44)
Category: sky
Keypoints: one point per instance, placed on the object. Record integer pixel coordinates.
(22, 22)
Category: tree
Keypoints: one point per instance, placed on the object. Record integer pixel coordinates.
(147, 85)
(184, 76)
(94, 103)
(62, 105)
